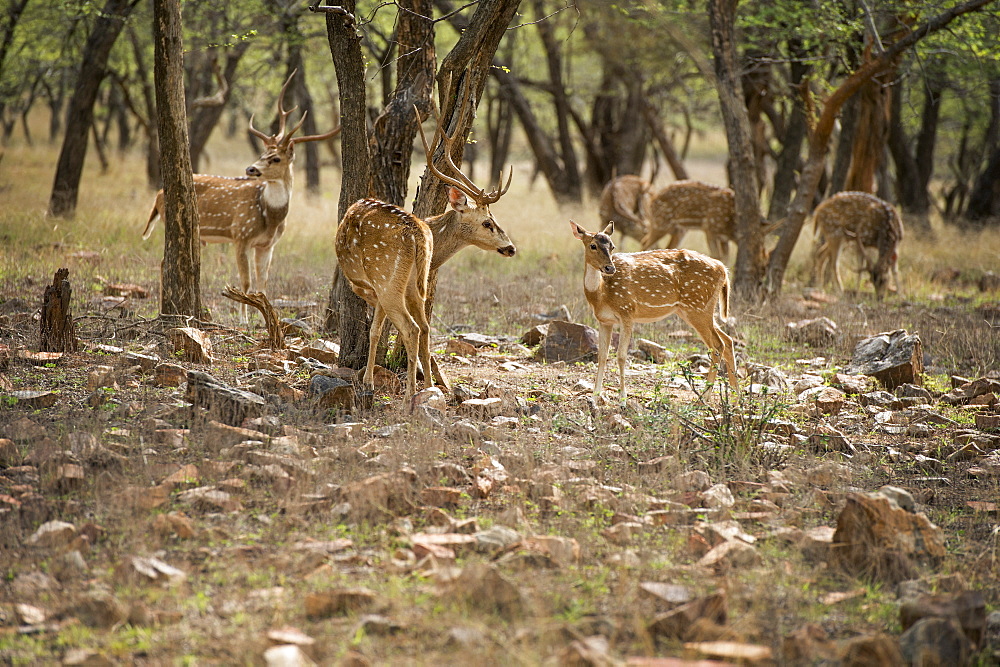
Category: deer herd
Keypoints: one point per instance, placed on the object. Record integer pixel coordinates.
(391, 258)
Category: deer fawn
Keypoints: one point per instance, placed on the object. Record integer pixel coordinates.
(391, 258)
(647, 286)
(249, 211)
(866, 221)
(625, 201)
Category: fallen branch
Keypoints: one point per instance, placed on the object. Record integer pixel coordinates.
(275, 330)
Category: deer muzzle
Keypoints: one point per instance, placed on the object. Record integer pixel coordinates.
(507, 251)
(609, 269)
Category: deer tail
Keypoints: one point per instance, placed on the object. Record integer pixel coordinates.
(724, 301)
(153, 215)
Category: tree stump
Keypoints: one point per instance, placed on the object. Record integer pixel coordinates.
(57, 331)
(275, 330)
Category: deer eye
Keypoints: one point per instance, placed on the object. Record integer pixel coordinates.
(488, 226)
(593, 246)
(275, 160)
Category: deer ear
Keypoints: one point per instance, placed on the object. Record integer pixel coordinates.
(610, 229)
(457, 199)
(578, 231)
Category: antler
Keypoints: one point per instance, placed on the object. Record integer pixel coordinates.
(281, 136)
(461, 181)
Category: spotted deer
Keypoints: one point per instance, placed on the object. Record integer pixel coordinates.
(249, 211)
(391, 257)
(625, 201)
(688, 205)
(865, 221)
(626, 288)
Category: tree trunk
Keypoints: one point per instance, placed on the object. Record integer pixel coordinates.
(69, 170)
(205, 117)
(790, 157)
(181, 268)
(58, 334)
(346, 312)
(395, 129)
(914, 198)
(750, 257)
(984, 201)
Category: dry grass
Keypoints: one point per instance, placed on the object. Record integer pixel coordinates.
(237, 562)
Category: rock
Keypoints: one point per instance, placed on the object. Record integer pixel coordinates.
(817, 332)
(482, 587)
(739, 652)
(287, 655)
(32, 399)
(212, 399)
(901, 498)
(101, 376)
(535, 335)
(882, 399)
(432, 397)
(460, 348)
(878, 540)
(718, 497)
(568, 341)
(677, 623)
(100, 610)
(153, 570)
(871, 650)
(828, 401)
(671, 595)
(146, 362)
(892, 358)
(964, 393)
(333, 393)
(808, 645)
(210, 499)
(324, 351)
(169, 375)
(586, 652)
(339, 602)
(693, 480)
(807, 382)
(194, 345)
(482, 408)
(968, 609)
(850, 384)
(53, 534)
(563, 550)
(10, 455)
(653, 352)
(730, 555)
(380, 496)
(934, 641)
(913, 391)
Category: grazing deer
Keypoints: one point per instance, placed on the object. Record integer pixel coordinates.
(380, 250)
(249, 211)
(625, 201)
(866, 221)
(647, 286)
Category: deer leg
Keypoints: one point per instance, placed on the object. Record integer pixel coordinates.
(243, 265)
(415, 306)
(378, 321)
(396, 309)
(603, 343)
(676, 237)
(624, 340)
(263, 266)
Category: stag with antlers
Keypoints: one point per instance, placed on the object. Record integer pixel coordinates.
(249, 211)
(391, 257)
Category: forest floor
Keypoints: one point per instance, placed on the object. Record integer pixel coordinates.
(546, 527)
